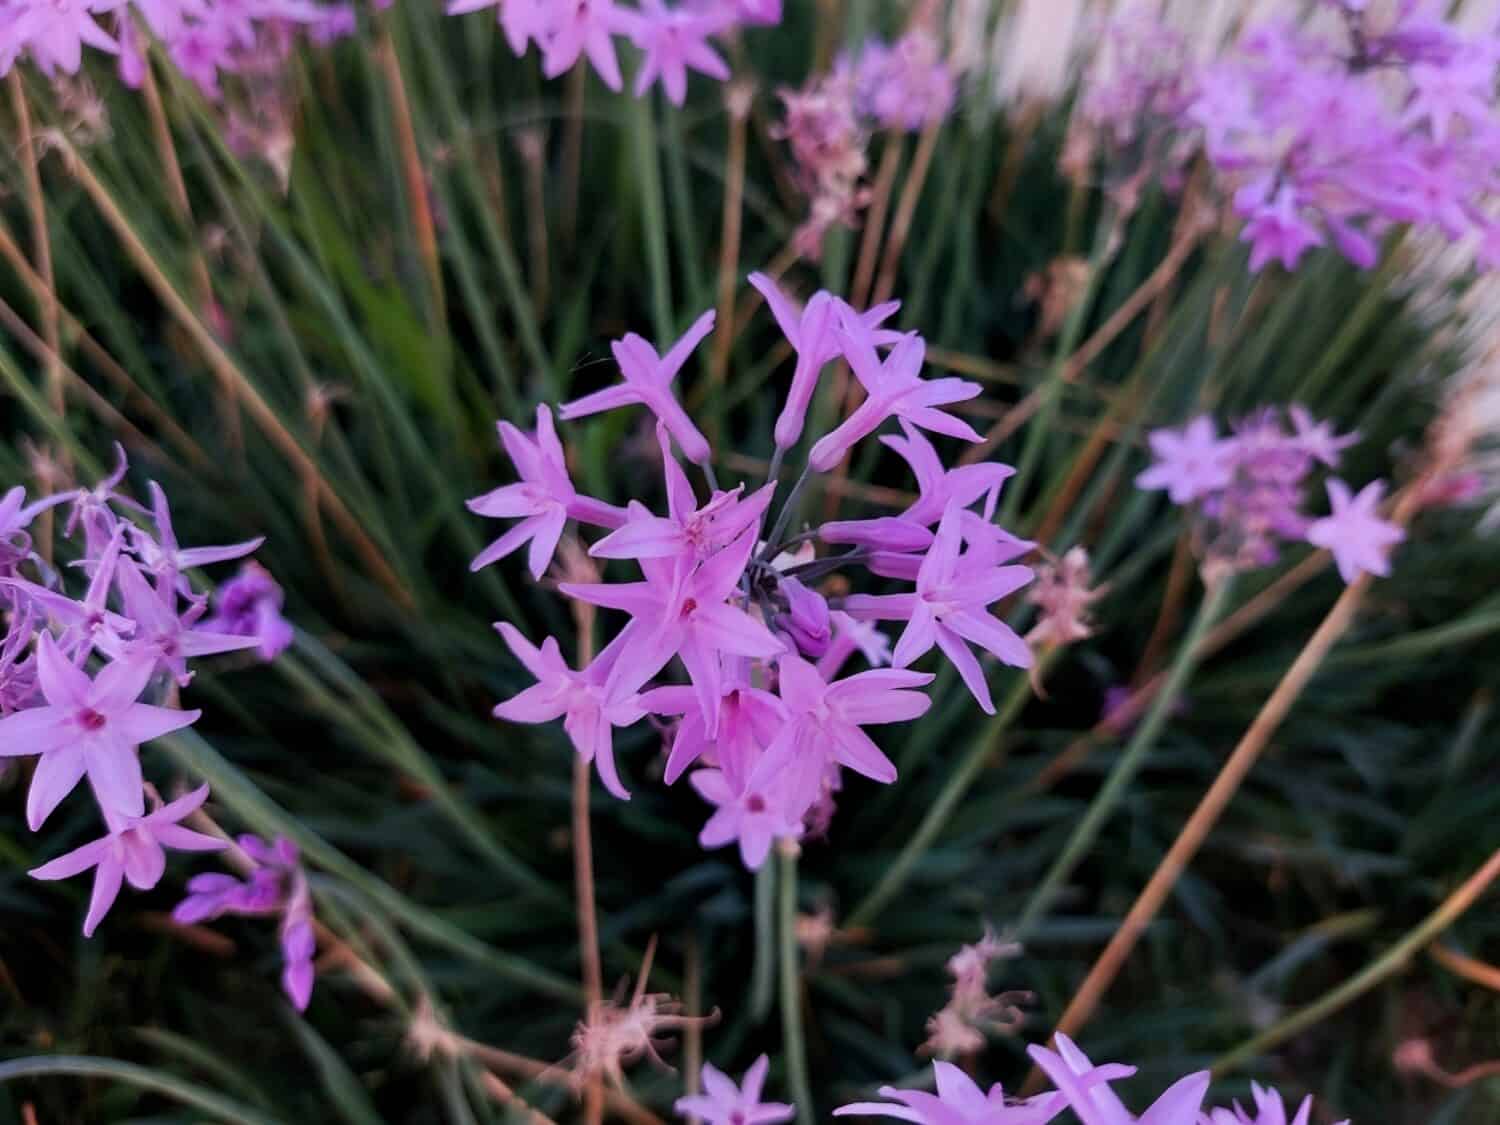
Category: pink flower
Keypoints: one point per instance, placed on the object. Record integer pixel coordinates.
(1359, 539)
(763, 807)
(162, 635)
(812, 336)
(524, 21)
(1086, 1088)
(54, 33)
(1190, 463)
(674, 40)
(687, 531)
(724, 1103)
(162, 555)
(1278, 230)
(1318, 439)
(826, 719)
(648, 382)
(851, 636)
(585, 27)
(1269, 1110)
(591, 703)
(684, 612)
(749, 718)
(87, 727)
(894, 388)
(132, 852)
(544, 498)
(249, 605)
(949, 608)
(958, 1101)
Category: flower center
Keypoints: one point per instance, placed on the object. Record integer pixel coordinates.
(689, 606)
(756, 804)
(91, 720)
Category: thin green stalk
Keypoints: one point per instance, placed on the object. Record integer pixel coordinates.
(763, 973)
(653, 216)
(112, 1070)
(982, 751)
(794, 1043)
(1386, 965)
(1134, 756)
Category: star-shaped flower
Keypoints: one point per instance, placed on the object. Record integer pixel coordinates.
(1359, 539)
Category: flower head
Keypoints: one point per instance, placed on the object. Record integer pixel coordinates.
(675, 40)
(1360, 540)
(1086, 1089)
(724, 1103)
(958, 1101)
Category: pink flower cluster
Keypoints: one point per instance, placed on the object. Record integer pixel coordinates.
(138, 622)
(672, 40)
(1328, 131)
(762, 709)
(203, 38)
(901, 87)
(1247, 489)
(1081, 1086)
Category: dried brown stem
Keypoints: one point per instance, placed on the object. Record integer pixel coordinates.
(729, 243)
(916, 177)
(880, 203)
(417, 199)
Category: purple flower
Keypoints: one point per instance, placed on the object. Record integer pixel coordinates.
(894, 388)
(949, 608)
(958, 1101)
(1190, 463)
(591, 703)
(674, 40)
(53, 32)
(277, 884)
(686, 612)
(1318, 439)
(544, 498)
(1086, 1088)
(163, 556)
(749, 719)
(826, 719)
(162, 635)
(132, 852)
(767, 805)
(249, 605)
(585, 27)
(1278, 230)
(524, 21)
(811, 333)
(1359, 539)
(1269, 1110)
(687, 532)
(905, 86)
(851, 636)
(648, 382)
(724, 1103)
(807, 620)
(87, 727)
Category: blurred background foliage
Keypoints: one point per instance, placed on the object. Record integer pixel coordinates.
(298, 358)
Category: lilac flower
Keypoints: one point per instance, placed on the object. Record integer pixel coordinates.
(1269, 1110)
(687, 531)
(940, 487)
(591, 703)
(1277, 230)
(132, 852)
(826, 718)
(277, 884)
(894, 388)
(18, 684)
(163, 556)
(249, 605)
(906, 86)
(674, 40)
(728, 14)
(749, 719)
(87, 727)
(1359, 539)
(1189, 463)
(585, 27)
(1086, 1088)
(687, 614)
(724, 1103)
(958, 1101)
(1318, 439)
(544, 498)
(648, 381)
(807, 619)
(851, 636)
(54, 33)
(949, 608)
(765, 806)
(168, 638)
(88, 624)
(812, 335)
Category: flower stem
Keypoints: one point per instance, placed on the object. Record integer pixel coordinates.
(784, 517)
(981, 752)
(763, 974)
(1387, 965)
(1130, 761)
(794, 1044)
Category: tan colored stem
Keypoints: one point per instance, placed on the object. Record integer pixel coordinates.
(906, 210)
(225, 369)
(1091, 348)
(1179, 581)
(1471, 969)
(41, 242)
(583, 880)
(417, 199)
(1222, 791)
(729, 243)
(880, 203)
